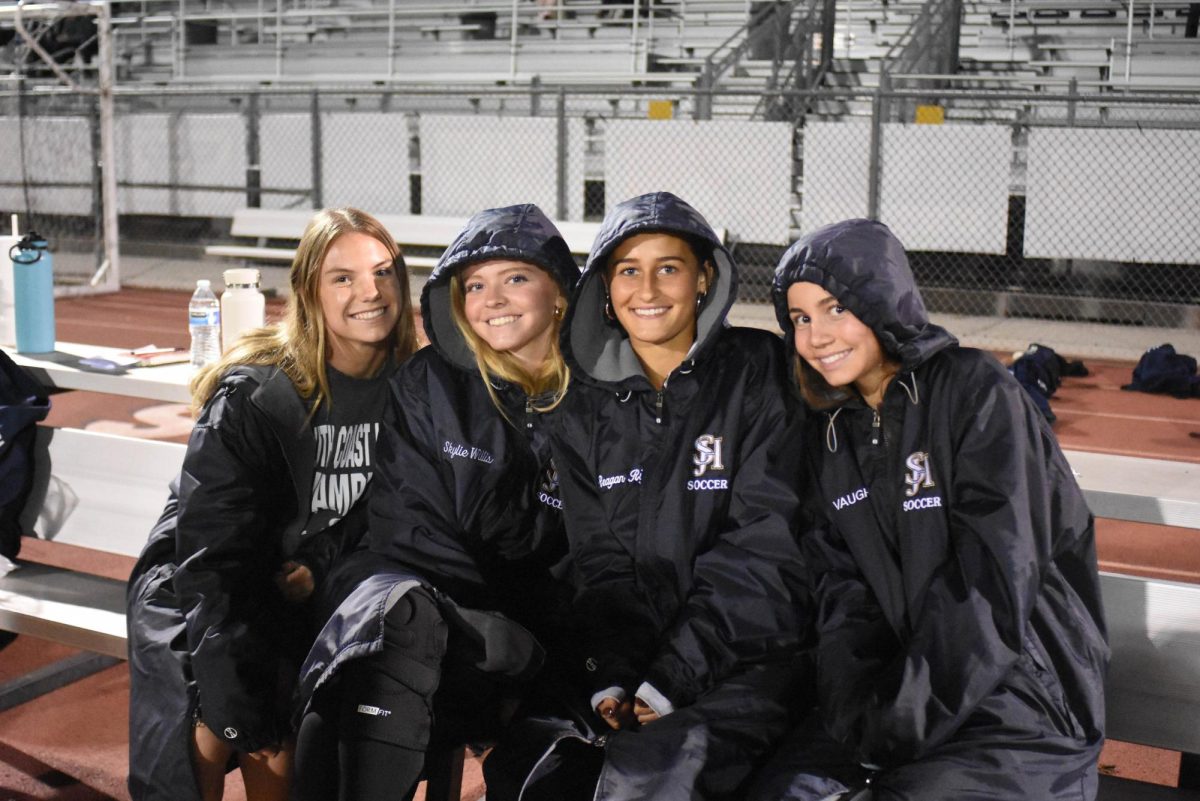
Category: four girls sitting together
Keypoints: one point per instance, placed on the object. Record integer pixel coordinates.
(628, 550)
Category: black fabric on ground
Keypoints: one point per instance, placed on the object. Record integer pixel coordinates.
(1040, 371)
(1162, 370)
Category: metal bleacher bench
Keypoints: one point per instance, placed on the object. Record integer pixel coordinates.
(409, 230)
(95, 491)
(101, 492)
(104, 492)
(1152, 692)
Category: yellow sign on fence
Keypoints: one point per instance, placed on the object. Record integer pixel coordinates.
(930, 115)
(660, 109)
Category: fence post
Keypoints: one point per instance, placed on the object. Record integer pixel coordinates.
(181, 52)
(828, 21)
(1072, 97)
(702, 99)
(253, 157)
(174, 194)
(98, 166)
(878, 111)
(561, 159)
(391, 39)
(535, 96)
(315, 124)
(22, 113)
(512, 42)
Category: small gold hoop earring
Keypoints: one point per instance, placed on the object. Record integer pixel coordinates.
(608, 310)
(558, 312)
(700, 296)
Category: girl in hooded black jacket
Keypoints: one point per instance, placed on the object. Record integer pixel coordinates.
(679, 528)
(961, 644)
(434, 648)
(219, 611)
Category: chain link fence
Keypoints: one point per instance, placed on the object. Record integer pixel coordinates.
(1013, 204)
(50, 177)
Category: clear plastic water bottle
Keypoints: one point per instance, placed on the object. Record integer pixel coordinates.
(204, 323)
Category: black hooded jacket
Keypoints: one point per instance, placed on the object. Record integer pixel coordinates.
(243, 499)
(678, 521)
(953, 553)
(466, 495)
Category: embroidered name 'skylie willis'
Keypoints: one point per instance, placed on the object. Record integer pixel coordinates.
(455, 450)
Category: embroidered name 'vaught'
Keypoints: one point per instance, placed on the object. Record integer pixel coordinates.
(850, 498)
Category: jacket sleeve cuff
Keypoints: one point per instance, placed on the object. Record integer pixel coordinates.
(615, 693)
(652, 698)
(665, 683)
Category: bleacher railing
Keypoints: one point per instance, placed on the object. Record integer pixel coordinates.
(281, 41)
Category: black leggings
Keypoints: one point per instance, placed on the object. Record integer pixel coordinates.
(366, 733)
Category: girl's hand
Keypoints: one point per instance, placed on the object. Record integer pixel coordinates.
(643, 712)
(295, 581)
(617, 714)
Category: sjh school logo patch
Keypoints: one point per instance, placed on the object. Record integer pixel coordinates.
(709, 456)
(918, 474)
(918, 477)
(548, 491)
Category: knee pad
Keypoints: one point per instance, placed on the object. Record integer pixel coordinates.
(388, 696)
(414, 629)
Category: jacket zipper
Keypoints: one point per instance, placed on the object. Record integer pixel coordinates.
(658, 405)
(876, 429)
(529, 412)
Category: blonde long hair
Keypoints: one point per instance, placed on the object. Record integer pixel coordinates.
(298, 344)
(553, 377)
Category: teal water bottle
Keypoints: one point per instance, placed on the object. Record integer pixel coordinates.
(33, 293)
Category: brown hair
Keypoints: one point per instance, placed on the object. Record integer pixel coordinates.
(818, 393)
(297, 344)
(815, 390)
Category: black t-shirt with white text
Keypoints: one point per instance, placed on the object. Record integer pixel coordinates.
(344, 435)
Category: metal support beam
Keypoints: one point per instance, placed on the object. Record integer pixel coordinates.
(878, 112)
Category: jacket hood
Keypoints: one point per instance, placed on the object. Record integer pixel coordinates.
(864, 266)
(521, 233)
(598, 347)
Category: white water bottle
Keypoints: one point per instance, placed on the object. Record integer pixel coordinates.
(204, 323)
(243, 306)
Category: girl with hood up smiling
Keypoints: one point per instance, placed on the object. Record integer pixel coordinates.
(961, 645)
(680, 673)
